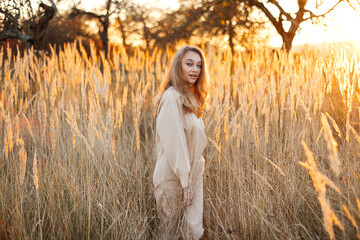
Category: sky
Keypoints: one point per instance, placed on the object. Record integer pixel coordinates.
(342, 23)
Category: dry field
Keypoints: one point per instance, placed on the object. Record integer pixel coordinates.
(77, 145)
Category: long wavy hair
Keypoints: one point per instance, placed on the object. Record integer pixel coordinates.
(194, 96)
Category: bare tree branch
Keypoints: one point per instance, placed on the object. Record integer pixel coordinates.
(27, 30)
(312, 15)
(277, 24)
(79, 12)
(282, 11)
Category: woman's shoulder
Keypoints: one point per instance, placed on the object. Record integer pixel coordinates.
(170, 95)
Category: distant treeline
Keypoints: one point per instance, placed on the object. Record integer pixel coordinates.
(236, 24)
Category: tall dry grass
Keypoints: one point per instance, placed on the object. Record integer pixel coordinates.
(77, 145)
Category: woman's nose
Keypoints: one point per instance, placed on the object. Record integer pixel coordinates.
(195, 68)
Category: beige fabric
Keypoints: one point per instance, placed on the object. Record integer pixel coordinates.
(180, 141)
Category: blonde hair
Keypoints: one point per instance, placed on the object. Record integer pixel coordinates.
(195, 97)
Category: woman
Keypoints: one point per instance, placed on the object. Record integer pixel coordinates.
(180, 141)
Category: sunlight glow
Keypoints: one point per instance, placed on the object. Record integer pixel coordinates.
(338, 26)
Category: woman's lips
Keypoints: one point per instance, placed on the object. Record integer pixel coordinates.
(193, 76)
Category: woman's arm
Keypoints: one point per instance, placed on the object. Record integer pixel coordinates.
(170, 129)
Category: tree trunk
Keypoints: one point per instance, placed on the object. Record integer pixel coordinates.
(287, 43)
(40, 27)
(123, 34)
(288, 38)
(146, 34)
(231, 33)
(104, 36)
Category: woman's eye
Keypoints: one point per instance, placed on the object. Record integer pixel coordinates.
(199, 66)
(189, 64)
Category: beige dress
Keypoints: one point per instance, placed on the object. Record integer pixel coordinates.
(180, 141)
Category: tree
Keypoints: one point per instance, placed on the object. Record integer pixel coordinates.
(142, 16)
(63, 29)
(124, 22)
(208, 18)
(102, 19)
(177, 25)
(134, 19)
(222, 17)
(303, 14)
(19, 21)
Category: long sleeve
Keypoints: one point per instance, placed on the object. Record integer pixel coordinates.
(170, 129)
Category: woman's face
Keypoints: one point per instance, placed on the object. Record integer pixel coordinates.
(191, 66)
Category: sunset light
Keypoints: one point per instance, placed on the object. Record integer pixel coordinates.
(338, 25)
(136, 119)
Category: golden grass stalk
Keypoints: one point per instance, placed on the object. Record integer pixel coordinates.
(255, 133)
(35, 173)
(226, 128)
(263, 180)
(119, 115)
(136, 123)
(52, 130)
(335, 126)
(6, 147)
(23, 159)
(320, 181)
(125, 93)
(214, 144)
(357, 136)
(274, 165)
(350, 217)
(9, 134)
(331, 146)
(348, 126)
(74, 126)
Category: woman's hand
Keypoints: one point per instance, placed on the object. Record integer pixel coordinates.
(188, 197)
